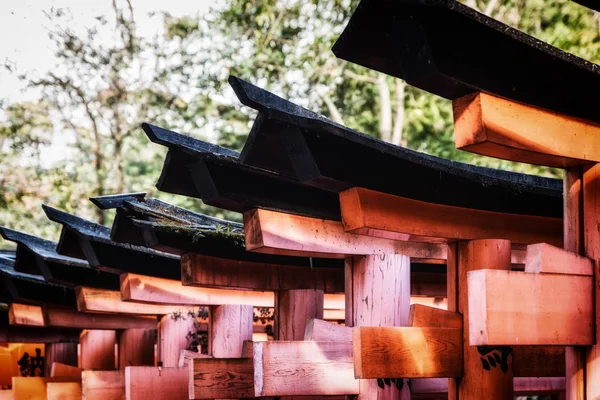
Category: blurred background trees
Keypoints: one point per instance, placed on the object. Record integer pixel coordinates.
(109, 79)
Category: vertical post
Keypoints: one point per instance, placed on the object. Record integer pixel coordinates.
(573, 236)
(378, 294)
(293, 308)
(136, 347)
(64, 353)
(174, 334)
(479, 382)
(591, 234)
(452, 294)
(97, 349)
(229, 326)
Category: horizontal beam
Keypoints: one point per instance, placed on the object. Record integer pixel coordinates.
(277, 369)
(423, 316)
(33, 334)
(544, 258)
(273, 232)
(22, 315)
(102, 385)
(500, 128)
(206, 271)
(63, 390)
(538, 361)
(407, 352)
(368, 212)
(101, 300)
(319, 330)
(519, 308)
(58, 369)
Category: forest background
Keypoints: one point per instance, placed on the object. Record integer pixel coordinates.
(79, 134)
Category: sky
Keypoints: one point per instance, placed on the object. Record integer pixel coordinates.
(24, 42)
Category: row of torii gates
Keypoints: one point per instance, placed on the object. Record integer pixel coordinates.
(500, 267)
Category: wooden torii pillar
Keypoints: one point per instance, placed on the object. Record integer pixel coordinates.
(492, 126)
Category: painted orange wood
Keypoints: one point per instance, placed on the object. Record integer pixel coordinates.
(33, 388)
(63, 370)
(174, 335)
(408, 352)
(64, 318)
(205, 271)
(6, 395)
(591, 234)
(61, 354)
(378, 294)
(103, 385)
(452, 290)
(478, 382)
(229, 326)
(102, 300)
(492, 126)
(97, 349)
(517, 308)
(542, 257)
(573, 234)
(23, 314)
(278, 233)
(366, 209)
(142, 383)
(424, 316)
(63, 391)
(325, 331)
(136, 347)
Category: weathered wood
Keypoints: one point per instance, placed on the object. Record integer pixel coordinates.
(63, 391)
(517, 308)
(574, 241)
(174, 334)
(407, 352)
(538, 361)
(542, 257)
(186, 355)
(143, 383)
(27, 315)
(59, 354)
(33, 388)
(278, 233)
(452, 275)
(221, 378)
(319, 330)
(435, 388)
(496, 127)
(293, 309)
(97, 349)
(229, 326)
(378, 294)
(479, 382)
(368, 212)
(423, 316)
(100, 300)
(26, 334)
(103, 385)
(149, 289)
(63, 370)
(205, 271)
(73, 319)
(136, 347)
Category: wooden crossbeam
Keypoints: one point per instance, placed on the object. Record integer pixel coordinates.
(273, 232)
(148, 289)
(101, 300)
(423, 316)
(518, 308)
(206, 271)
(27, 334)
(373, 213)
(103, 385)
(407, 352)
(34, 387)
(143, 383)
(496, 127)
(58, 369)
(319, 330)
(544, 258)
(267, 373)
(25, 315)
